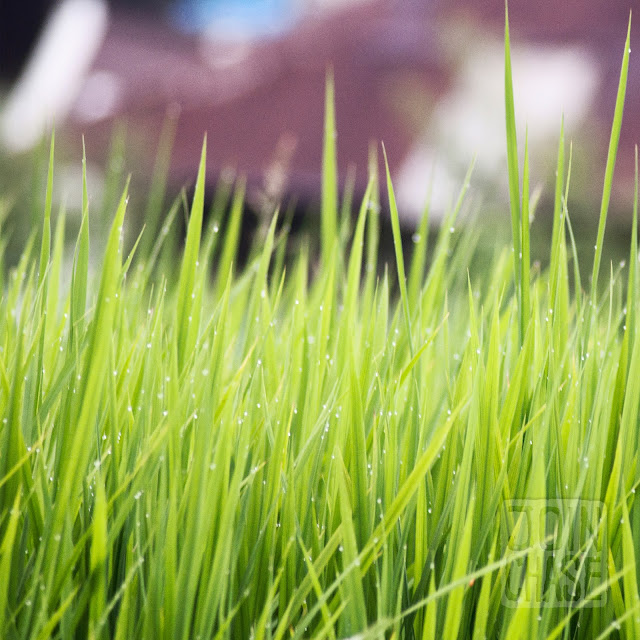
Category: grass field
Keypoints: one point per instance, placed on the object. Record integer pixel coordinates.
(303, 448)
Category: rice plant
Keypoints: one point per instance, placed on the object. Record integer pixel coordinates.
(315, 447)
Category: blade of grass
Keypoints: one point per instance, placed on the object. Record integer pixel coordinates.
(512, 163)
(609, 169)
(187, 282)
(329, 203)
(397, 244)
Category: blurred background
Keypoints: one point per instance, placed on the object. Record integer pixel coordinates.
(423, 76)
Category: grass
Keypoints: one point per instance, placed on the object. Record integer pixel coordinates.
(307, 449)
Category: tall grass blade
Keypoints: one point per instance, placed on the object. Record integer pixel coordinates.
(611, 163)
(329, 204)
(397, 244)
(187, 282)
(525, 260)
(512, 165)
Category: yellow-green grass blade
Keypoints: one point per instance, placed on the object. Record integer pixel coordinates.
(453, 613)
(354, 267)
(482, 612)
(373, 229)
(80, 271)
(98, 575)
(43, 281)
(419, 258)
(8, 581)
(158, 188)
(346, 206)
(55, 268)
(632, 284)
(610, 167)
(354, 618)
(512, 164)
(232, 238)
(329, 202)
(431, 611)
(630, 579)
(397, 244)
(186, 285)
(524, 244)
(45, 248)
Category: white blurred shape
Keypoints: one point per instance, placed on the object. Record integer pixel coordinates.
(99, 97)
(423, 178)
(548, 82)
(54, 74)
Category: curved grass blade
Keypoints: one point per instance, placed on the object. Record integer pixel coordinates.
(610, 167)
(512, 162)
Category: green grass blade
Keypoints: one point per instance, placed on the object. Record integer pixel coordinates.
(525, 260)
(329, 204)
(232, 237)
(632, 284)
(512, 162)
(7, 550)
(189, 266)
(397, 244)
(610, 167)
(453, 613)
(419, 258)
(98, 564)
(158, 187)
(80, 272)
(45, 248)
